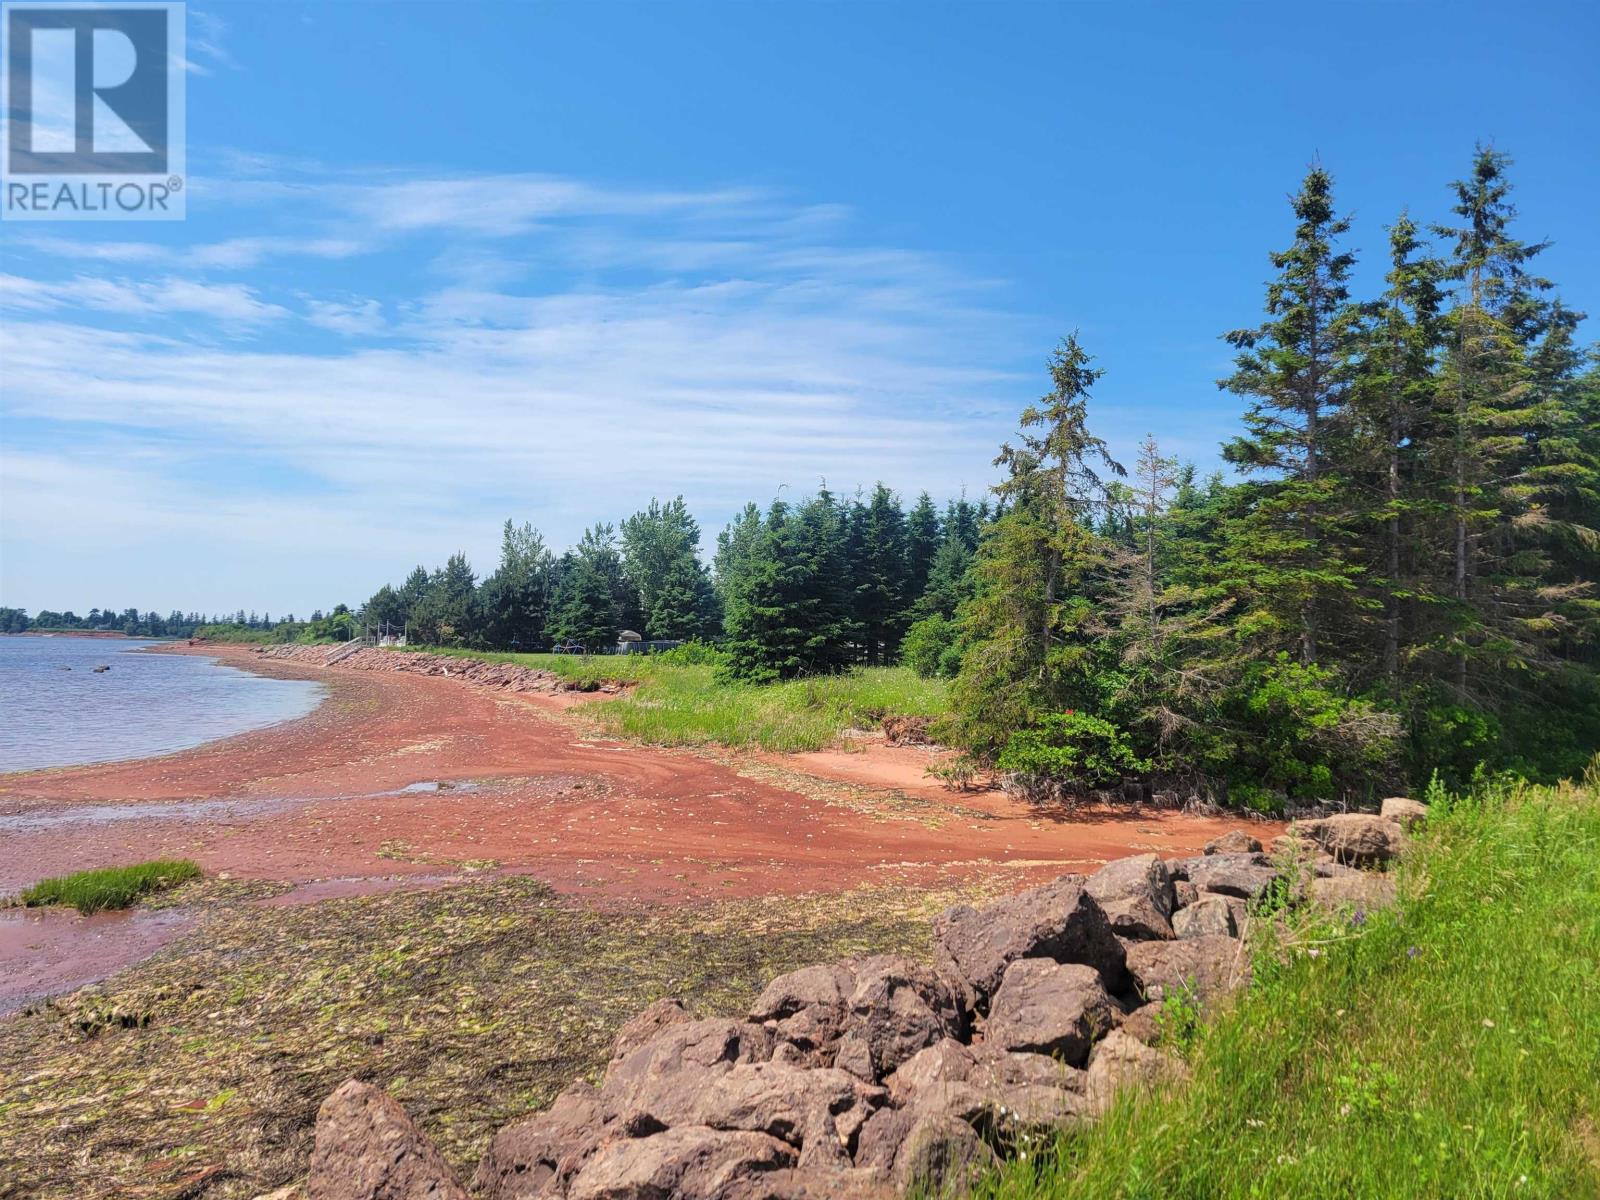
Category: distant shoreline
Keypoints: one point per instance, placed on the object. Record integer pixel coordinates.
(88, 633)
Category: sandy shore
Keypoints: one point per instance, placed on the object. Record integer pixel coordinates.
(403, 780)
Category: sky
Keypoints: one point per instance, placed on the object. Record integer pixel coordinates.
(450, 263)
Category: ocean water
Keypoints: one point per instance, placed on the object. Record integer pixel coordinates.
(56, 710)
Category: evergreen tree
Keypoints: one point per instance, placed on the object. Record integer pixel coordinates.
(878, 569)
(447, 614)
(923, 539)
(1291, 550)
(660, 557)
(514, 602)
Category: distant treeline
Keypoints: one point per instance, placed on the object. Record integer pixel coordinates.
(239, 626)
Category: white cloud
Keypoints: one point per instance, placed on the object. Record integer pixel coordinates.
(228, 303)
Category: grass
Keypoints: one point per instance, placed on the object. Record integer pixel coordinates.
(197, 1075)
(1445, 1049)
(679, 705)
(111, 887)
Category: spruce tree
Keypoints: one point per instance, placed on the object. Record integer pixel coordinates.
(1291, 551)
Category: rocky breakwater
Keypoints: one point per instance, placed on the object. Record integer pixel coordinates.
(863, 1078)
(505, 676)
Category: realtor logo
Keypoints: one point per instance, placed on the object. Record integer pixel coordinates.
(93, 125)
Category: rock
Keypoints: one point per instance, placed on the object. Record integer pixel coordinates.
(937, 1153)
(1050, 1008)
(1236, 841)
(1404, 812)
(368, 1149)
(988, 1067)
(1059, 921)
(1242, 875)
(817, 1183)
(1136, 896)
(1210, 916)
(1184, 893)
(807, 1009)
(289, 1191)
(1207, 967)
(1362, 891)
(798, 1106)
(1355, 839)
(1121, 1060)
(692, 1044)
(1143, 1023)
(536, 1157)
(689, 1163)
(645, 1026)
(898, 1007)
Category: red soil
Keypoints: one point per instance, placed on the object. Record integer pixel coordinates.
(319, 802)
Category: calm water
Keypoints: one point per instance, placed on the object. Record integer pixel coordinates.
(53, 716)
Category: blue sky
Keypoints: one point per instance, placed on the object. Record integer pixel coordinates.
(449, 263)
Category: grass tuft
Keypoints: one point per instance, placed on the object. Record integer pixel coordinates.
(110, 887)
(1447, 1048)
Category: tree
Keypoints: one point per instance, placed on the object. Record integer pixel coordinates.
(514, 602)
(447, 613)
(878, 554)
(1290, 551)
(1030, 624)
(588, 604)
(660, 557)
(923, 539)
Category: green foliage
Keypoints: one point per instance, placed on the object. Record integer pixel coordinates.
(1069, 750)
(1443, 1050)
(931, 647)
(110, 887)
(692, 654)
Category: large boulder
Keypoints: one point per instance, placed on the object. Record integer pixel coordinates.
(534, 1159)
(819, 1111)
(654, 1086)
(1355, 839)
(1210, 916)
(1045, 1007)
(928, 1150)
(986, 1066)
(688, 1163)
(1136, 896)
(1122, 1060)
(367, 1148)
(1206, 967)
(1235, 841)
(1059, 921)
(898, 1006)
(1242, 875)
(1404, 812)
(806, 1010)
(816, 1183)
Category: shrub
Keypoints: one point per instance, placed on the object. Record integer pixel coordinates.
(692, 654)
(1067, 751)
(110, 887)
(930, 648)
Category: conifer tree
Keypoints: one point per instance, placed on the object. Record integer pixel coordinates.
(879, 555)
(1290, 551)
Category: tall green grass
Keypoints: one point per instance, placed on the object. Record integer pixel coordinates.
(676, 704)
(1449, 1048)
(688, 706)
(110, 887)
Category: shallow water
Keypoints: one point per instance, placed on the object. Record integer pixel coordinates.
(57, 710)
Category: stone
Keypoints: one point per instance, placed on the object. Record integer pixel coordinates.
(688, 1163)
(988, 1067)
(1050, 1008)
(792, 1104)
(932, 1151)
(645, 1026)
(533, 1159)
(1184, 893)
(1143, 1023)
(1362, 891)
(1059, 921)
(816, 1183)
(1207, 967)
(1121, 1060)
(898, 1007)
(1355, 839)
(692, 1044)
(807, 1009)
(1404, 812)
(367, 1148)
(1209, 916)
(1136, 896)
(1235, 841)
(1242, 875)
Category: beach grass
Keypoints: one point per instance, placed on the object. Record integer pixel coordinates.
(1447, 1048)
(110, 887)
(681, 704)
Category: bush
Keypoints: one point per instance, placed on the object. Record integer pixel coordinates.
(1065, 752)
(110, 887)
(692, 654)
(930, 648)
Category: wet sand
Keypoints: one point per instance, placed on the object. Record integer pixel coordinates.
(399, 779)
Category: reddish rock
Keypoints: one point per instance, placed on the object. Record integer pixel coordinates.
(1235, 841)
(689, 1163)
(1122, 1060)
(1059, 921)
(1354, 839)
(643, 1028)
(1049, 1008)
(535, 1158)
(1361, 891)
(1206, 966)
(368, 1149)
(898, 1007)
(1404, 812)
(1136, 895)
(1211, 915)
